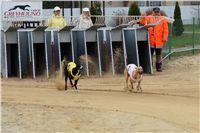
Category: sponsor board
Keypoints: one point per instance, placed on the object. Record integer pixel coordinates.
(21, 10)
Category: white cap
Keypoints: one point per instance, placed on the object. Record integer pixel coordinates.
(56, 8)
(86, 9)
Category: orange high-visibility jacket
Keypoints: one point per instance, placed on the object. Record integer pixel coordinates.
(157, 34)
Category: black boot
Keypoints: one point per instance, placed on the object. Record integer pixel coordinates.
(159, 67)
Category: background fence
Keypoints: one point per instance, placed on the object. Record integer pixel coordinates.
(189, 40)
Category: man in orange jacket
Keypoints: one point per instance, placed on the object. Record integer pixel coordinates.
(158, 34)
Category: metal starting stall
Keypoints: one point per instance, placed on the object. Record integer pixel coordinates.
(66, 42)
(105, 51)
(79, 46)
(39, 50)
(92, 49)
(52, 50)
(26, 53)
(117, 45)
(83, 40)
(136, 48)
(10, 52)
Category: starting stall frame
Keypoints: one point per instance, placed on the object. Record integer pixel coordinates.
(104, 39)
(92, 36)
(137, 48)
(26, 52)
(3, 55)
(38, 35)
(10, 38)
(79, 46)
(117, 39)
(27, 38)
(79, 38)
(52, 50)
(135, 41)
(66, 39)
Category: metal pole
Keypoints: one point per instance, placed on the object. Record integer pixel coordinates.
(138, 61)
(150, 53)
(170, 39)
(87, 67)
(81, 6)
(29, 47)
(59, 48)
(47, 68)
(72, 44)
(99, 55)
(53, 52)
(71, 8)
(6, 61)
(103, 8)
(63, 8)
(53, 58)
(33, 59)
(19, 56)
(193, 35)
(124, 47)
(111, 48)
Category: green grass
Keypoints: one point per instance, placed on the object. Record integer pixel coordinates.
(189, 28)
(185, 40)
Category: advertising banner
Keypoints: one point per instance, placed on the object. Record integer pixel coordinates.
(21, 10)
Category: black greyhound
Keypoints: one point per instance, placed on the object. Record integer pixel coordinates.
(22, 7)
(73, 72)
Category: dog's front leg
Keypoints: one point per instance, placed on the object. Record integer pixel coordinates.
(71, 82)
(139, 86)
(132, 88)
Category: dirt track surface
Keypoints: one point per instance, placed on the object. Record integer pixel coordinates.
(169, 103)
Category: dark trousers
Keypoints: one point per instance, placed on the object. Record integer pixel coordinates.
(158, 54)
(158, 58)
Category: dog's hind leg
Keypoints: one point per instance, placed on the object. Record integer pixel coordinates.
(75, 85)
(66, 77)
(66, 83)
(13, 8)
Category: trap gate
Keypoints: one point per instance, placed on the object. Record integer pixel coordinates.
(9, 55)
(136, 48)
(31, 43)
(22, 49)
(65, 42)
(105, 51)
(82, 40)
(52, 50)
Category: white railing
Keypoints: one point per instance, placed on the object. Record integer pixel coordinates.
(73, 20)
(109, 21)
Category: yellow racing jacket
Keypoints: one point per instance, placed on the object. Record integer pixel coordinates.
(70, 67)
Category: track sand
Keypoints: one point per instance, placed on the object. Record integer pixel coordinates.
(169, 103)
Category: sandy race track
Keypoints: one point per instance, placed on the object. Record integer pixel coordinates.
(169, 103)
